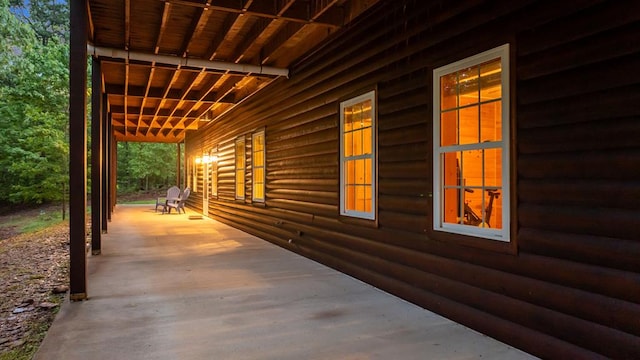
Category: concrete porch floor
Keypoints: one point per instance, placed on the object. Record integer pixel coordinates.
(166, 287)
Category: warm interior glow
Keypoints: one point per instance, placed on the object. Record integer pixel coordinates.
(358, 170)
(258, 165)
(471, 114)
(240, 167)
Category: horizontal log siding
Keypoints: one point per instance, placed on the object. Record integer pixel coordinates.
(572, 289)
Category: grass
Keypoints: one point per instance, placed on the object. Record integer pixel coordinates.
(143, 201)
(30, 221)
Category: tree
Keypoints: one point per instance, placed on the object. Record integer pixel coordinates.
(33, 113)
(49, 19)
(146, 166)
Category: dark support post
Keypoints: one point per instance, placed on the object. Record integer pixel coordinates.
(96, 157)
(78, 150)
(178, 174)
(105, 165)
(112, 159)
(114, 172)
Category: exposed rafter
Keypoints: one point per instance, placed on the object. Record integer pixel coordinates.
(167, 64)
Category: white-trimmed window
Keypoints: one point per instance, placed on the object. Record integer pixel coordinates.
(471, 146)
(257, 165)
(240, 167)
(358, 156)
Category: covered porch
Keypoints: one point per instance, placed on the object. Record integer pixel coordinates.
(167, 287)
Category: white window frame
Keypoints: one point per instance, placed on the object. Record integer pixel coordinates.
(370, 215)
(254, 167)
(439, 225)
(240, 140)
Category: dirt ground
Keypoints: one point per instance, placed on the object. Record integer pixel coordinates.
(33, 283)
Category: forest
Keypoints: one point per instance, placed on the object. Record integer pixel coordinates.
(34, 112)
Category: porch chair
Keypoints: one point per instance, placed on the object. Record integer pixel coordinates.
(172, 193)
(180, 203)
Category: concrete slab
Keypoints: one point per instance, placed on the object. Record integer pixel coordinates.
(166, 287)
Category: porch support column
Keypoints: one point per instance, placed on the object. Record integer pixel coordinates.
(114, 173)
(178, 174)
(105, 164)
(77, 150)
(96, 157)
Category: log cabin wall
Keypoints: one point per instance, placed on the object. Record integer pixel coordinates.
(567, 284)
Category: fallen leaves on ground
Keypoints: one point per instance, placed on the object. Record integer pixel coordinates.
(33, 283)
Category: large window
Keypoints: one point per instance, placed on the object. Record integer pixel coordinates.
(258, 160)
(358, 157)
(240, 167)
(471, 147)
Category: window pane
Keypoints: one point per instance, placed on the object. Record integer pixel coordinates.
(472, 203)
(491, 121)
(348, 144)
(448, 92)
(367, 201)
(493, 168)
(368, 171)
(451, 206)
(471, 165)
(449, 128)
(468, 86)
(366, 141)
(348, 118)
(469, 125)
(493, 212)
(360, 198)
(490, 81)
(350, 169)
(450, 169)
(240, 184)
(350, 198)
(360, 171)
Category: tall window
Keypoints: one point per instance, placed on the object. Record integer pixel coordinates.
(471, 146)
(357, 157)
(240, 167)
(258, 160)
(213, 166)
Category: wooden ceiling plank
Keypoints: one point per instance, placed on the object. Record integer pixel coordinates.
(92, 28)
(258, 8)
(229, 20)
(256, 31)
(166, 12)
(167, 88)
(145, 96)
(281, 37)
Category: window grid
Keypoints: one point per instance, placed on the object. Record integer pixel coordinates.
(471, 169)
(240, 168)
(357, 141)
(258, 166)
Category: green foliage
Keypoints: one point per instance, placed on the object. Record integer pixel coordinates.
(33, 114)
(146, 166)
(49, 19)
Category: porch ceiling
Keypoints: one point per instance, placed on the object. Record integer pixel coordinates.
(169, 66)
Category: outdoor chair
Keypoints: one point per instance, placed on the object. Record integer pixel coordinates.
(173, 193)
(179, 204)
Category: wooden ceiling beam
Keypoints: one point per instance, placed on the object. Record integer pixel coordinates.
(264, 9)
